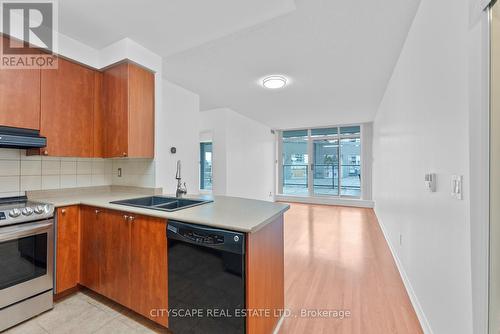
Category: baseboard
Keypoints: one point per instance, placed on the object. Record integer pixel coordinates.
(353, 202)
(278, 325)
(406, 281)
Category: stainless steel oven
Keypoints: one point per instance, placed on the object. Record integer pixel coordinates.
(26, 270)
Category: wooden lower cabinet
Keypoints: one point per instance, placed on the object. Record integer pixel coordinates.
(148, 268)
(67, 250)
(115, 257)
(90, 247)
(124, 257)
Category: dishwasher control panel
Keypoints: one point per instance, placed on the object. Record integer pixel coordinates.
(197, 236)
(211, 239)
(205, 236)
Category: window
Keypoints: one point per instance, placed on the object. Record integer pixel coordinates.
(322, 161)
(206, 166)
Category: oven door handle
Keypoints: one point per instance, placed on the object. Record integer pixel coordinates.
(24, 230)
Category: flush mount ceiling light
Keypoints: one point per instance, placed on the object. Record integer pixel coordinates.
(274, 82)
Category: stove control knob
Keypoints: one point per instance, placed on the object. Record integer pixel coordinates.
(27, 211)
(39, 209)
(14, 213)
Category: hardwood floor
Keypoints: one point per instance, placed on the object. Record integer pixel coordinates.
(336, 258)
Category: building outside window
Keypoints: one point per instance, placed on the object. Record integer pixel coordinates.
(322, 161)
(206, 166)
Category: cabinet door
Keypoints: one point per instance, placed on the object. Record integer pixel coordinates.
(98, 121)
(67, 104)
(116, 111)
(67, 252)
(149, 267)
(90, 247)
(141, 112)
(20, 98)
(115, 257)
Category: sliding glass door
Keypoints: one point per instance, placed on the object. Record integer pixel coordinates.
(321, 162)
(326, 167)
(295, 163)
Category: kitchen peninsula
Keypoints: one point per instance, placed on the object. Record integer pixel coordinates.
(121, 252)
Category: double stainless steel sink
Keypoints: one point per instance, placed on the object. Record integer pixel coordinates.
(161, 203)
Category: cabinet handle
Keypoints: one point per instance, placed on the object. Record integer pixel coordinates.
(125, 217)
(97, 211)
(124, 154)
(63, 211)
(131, 219)
(45, 152)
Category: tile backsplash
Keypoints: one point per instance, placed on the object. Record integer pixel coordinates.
(20, 173)
(134, 172)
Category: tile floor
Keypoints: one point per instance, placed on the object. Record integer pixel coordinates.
(86, 312)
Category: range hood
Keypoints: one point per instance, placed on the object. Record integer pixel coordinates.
(21, 138)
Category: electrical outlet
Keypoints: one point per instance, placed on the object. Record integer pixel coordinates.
(119, 172)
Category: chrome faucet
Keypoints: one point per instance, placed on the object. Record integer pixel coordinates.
(181, 187)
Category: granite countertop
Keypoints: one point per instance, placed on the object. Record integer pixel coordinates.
(232, 213)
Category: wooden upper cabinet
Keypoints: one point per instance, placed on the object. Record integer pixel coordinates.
(83, 112)
(116, 110)
(129, 111)
(20, 98)
(148, 267)
(67, 107)
(67, 250)
(141, 112)
(98, 121)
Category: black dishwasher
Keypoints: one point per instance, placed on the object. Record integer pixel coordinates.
(206, 279)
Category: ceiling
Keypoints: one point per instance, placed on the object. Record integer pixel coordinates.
(164, 27)
(338, 54)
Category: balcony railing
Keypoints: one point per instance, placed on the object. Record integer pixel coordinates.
(295, 175)
(325, 176)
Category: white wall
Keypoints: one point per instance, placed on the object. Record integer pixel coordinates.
(177, 125)
(479, 154)
(243, 155)
(422, 126)
(250, 158)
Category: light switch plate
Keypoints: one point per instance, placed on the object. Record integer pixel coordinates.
(430, 182)
(457, 187)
